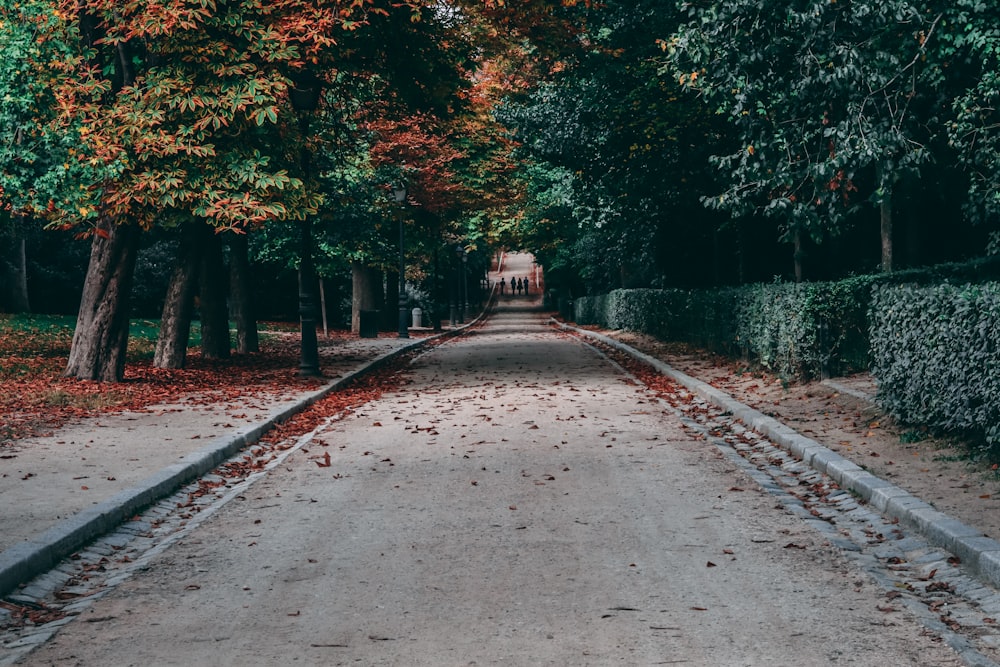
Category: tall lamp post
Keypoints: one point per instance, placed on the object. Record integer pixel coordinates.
(399, 195)
(304, 96)
(465, 280)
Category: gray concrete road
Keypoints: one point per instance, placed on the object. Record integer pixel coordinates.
(518, 502)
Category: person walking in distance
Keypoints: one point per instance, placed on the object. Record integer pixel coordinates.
(526, 286)
(503, 285)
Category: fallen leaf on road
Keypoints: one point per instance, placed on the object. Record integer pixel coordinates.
(325, 463)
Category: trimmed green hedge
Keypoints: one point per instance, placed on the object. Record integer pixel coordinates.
(796, 330)
(934, 347)
(936, 354)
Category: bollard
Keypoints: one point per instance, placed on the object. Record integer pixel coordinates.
(418, 318)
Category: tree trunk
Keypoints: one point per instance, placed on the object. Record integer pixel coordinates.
(175, 322)
(241, 303)
(100, 340)
(19, 302)
(885, 220)
(215, 341)
(366, 292)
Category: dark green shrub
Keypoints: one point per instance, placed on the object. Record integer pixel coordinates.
(796, 330)
(935, 352)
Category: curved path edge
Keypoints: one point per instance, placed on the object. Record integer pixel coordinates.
(978, 553)
(26, 560)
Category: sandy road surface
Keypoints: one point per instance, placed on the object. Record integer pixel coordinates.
(518, 502)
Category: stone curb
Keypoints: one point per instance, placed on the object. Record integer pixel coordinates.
(980, 554)
(26, 560)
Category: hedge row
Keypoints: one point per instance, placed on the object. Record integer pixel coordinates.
(936, 354)
(934, 348)
(796, 330)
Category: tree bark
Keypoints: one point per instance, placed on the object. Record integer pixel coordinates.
(100, 340)
(241, 303)
(19, 301)
(885, 231)
(885, 219)
(366, 292)
(213, 287)
(178, 307)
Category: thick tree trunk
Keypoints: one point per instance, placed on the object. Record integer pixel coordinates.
(101, 336)
(175, 322)
(366, 292)
(241, 303)
(213, 287)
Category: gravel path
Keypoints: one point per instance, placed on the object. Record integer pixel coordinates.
(519, 501)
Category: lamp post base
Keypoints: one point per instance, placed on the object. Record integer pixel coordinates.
(404, 319)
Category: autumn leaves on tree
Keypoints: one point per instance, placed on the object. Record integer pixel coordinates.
(177, 115)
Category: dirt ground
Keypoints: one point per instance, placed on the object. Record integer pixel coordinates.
(933, 469)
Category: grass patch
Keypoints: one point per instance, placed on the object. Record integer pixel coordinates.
(59, 398)
(26, 341)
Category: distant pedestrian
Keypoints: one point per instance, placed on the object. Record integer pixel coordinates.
(525, 286)
(503, 284)
(518, 285)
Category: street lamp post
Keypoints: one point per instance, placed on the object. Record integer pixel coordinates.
(304, 96)
(465, 280)
(399, 194)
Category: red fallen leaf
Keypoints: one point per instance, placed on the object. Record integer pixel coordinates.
(192, 587)
(886, 610)
(699, 608)
(792, 545)
(85, 488)
(377, 424)
(512, 507)
(475, 483)
(325, 463)
(728, 552)
(710, 564)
